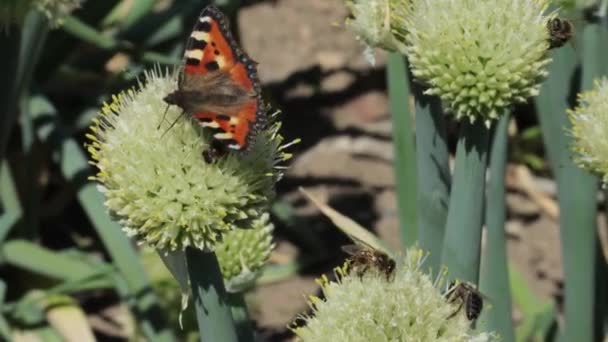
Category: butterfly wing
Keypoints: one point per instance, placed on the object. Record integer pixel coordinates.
(211, 48)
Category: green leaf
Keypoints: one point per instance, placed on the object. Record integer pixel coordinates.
(462, 241)
(36, 259)
(87, 33)
(434, 179)
(5, 330)
(355, 232)
(240, 315)
(9, 200)
(494, 281)
(137, 10)
(532, 309)
(403, 142)
(576, 188)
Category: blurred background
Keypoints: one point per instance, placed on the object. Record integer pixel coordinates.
(65, 266)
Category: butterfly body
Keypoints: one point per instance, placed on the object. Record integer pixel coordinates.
(218, 85)
(212, 92)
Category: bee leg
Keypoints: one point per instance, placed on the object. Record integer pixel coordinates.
(452, 299)
(457, 309)
(451, 289)
(362, 271)
(352, 267)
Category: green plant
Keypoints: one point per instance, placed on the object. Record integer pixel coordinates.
(477, 59)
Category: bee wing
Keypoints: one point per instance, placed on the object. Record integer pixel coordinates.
(476, 290)
(359, 245)
(454, 284)
(364, 244)
(351, 249)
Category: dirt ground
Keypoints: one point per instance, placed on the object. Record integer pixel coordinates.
(337, 104)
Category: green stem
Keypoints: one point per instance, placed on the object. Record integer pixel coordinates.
(462, 242)
(494, 280)
(240, 315)
(212, 310)
(403, 142)
(576, 189)
(434, 179)
(576, 195)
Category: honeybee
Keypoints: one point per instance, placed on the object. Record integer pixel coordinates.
(470, 298)
(560, 32)
(365, 257)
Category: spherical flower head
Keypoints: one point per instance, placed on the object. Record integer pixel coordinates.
(156, 181)
(478, 56)
(374, 23)
(14, 11)
(590, 129)
(406, 307)
(243, 253)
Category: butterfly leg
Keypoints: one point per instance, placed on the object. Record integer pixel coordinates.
(215, 151)
(173, 123)
(362, 269)
(164, 115)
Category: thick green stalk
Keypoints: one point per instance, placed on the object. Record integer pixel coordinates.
(240, 315)
(403, 142)
(494, 281)
(213, 314)
(462, 242)
(434, 179)
(576, 188)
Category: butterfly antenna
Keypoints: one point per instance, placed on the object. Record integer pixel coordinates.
(172, 124)
(163, 119)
